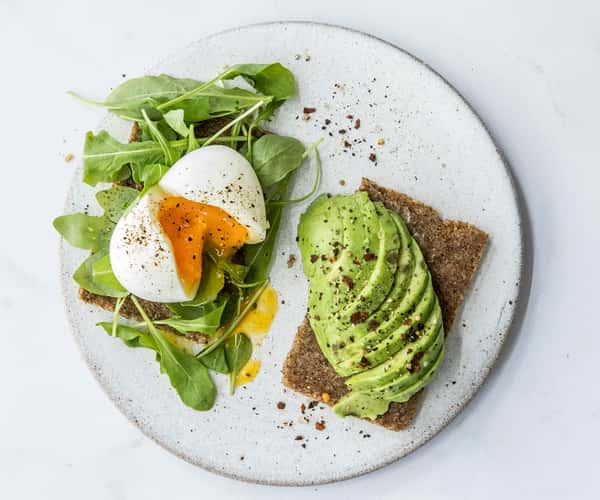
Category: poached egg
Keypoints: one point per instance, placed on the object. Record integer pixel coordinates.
(210, 199)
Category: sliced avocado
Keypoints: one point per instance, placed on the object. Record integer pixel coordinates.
(360, 405)
(399, 365)
(330, 293)
(377, 279)
(403, 318)
(378, 271)
(319, 227)
(384, 319)
(421, 381)
(376, 320)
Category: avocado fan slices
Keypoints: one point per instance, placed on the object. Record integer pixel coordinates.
(372, 305)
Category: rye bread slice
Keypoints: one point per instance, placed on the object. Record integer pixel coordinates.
(452, 250)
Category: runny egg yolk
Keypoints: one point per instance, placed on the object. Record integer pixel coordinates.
(194, 228)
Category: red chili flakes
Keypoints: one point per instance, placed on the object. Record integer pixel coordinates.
(281, 405)
(302, 408)
(348, 281)
(307, 111)
(407, 321)
(372, 326)
(373, 157)
(364, 362)
(342, 131)
(357, 123)
(291, 260)
(369, 256)
(314, 258)
(298, 438)
(320, 425)
(359, 317)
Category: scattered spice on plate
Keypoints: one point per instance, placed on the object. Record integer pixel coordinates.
(381, 141)
(291, 261)
(342, 182)
(302, 408)
(298, 438)
(357, 123)
(320, 425)
(69, 157)
(373, 157)
(308, 111)
(281, 405)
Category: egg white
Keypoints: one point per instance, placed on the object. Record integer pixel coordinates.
(141, 255)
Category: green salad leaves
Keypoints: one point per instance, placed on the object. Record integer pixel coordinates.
(174, 116)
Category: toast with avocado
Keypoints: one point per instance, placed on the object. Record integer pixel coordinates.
(387, 276)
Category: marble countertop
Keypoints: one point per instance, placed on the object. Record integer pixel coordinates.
(531, 71)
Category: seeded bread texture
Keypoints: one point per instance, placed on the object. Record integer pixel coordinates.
(452, 250)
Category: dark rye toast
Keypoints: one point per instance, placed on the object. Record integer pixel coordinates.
(452, 250)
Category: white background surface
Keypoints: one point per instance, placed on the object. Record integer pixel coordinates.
(530, 69)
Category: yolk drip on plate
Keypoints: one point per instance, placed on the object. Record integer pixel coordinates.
(193, 228)
(248, 372)
(256, 324)
(257, 321)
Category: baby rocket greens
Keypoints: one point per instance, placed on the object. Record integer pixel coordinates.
(171, 117)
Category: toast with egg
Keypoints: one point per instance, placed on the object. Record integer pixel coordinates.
(453, 251)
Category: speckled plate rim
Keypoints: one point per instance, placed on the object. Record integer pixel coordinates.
(523, 292)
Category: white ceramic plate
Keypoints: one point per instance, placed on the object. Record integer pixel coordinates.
(436, 150)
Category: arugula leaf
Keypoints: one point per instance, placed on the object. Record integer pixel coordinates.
(170, 154)
(174, 119)
(107, 160)
(148, 175)
(216, 361)
(238, 350)
(250, 301)
(270, 79)
(233, 100)
(131, 336)
(131, 96)
(89, 232)
(188, 375)
(115, 201)
(274, 157)
(192, 141)
(103, 276)
(84, 277)
(211, 284)
(208, 323)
